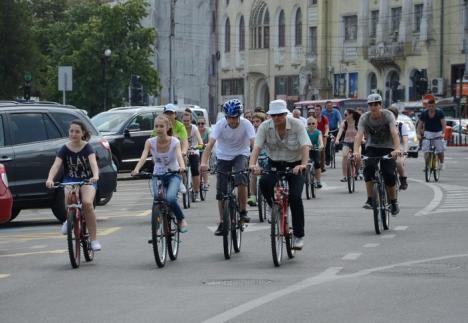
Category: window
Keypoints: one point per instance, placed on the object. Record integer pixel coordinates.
(2, 133)
(298, 30)
(28, 128)
(232, 87)
(418, 13)
(64, 119)
(374, 22)
(227, 36)
(313, 40)
(312, 2)
(142, 122)
(396, 18)
(287, 85)
(51, 128)
(241, 34)
(350, 24)
(281, 30)
(260, 26)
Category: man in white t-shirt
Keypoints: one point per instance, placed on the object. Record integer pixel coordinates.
(402, 129)
(234, 136)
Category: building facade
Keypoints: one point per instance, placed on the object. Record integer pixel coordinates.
(305, 49)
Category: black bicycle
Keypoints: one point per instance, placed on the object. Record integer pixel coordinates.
(331, 152)
(232, 225)
(165, 235)
(380, 200)
(309, 177)
(261, 202)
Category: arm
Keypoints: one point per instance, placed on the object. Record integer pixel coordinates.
(199, 138)
(94, 168)
(253, 160)
(206, 154)
(444, 126)
(357, 144)
(143, 157)
(305, 159)
(53, 172)
(327, 129)
(420, 129)
(320, 140)
(179, 157)
(184, 146)
(338, 136)
(252, 143)
(396, 141)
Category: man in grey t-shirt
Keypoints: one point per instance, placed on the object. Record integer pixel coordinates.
(382, 139)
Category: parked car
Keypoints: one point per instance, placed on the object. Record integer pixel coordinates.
(30, 135)
(126, 129)
(413, 143)
(6, 200)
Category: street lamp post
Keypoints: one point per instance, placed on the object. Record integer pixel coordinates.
(104, 61)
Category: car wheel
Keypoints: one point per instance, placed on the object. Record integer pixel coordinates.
(104, 200)
(14, 213)
(58, 208)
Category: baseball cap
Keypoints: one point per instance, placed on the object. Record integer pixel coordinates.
(427, 98)
(374, 98)
(170, 107)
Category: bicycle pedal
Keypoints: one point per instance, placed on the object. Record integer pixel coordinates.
(150, 241)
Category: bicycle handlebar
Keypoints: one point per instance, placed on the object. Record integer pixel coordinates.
(79, 183)
(144, 174)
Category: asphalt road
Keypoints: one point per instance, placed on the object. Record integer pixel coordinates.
(415, 272)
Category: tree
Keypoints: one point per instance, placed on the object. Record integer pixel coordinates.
(80, 39)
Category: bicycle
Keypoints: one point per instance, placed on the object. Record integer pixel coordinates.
(232, 225)
(309, 178)
(351, 172)
(332, 151)
(77, 232)
(431, 161)
(281, 232)
(165, 235)
(261, 202)
(380, 200)
(187, 181)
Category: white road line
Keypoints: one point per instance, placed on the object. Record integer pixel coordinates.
(39, 246)
(436, 200)
(401, 228)
(443, 210)
(329, 275)
(4, 275)
(371, 245)
(251, 227)
(21, 254)
(388, 236)
(352, 256)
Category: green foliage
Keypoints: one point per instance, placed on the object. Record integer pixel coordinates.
(76, 33)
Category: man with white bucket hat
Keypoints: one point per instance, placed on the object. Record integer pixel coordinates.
(287, 144)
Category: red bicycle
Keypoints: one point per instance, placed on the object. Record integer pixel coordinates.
(77, 232)
(281, 232)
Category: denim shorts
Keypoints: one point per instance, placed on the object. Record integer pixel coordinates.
(68, 179)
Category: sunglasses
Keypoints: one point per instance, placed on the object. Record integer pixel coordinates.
(373, 103)
(277, 115)
(200, 123)
(311, 124)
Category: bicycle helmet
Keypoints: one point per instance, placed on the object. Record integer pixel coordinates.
(233, 108)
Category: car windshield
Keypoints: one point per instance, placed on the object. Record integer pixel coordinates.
(110, 121)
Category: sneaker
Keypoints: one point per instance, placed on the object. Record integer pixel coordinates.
(182, 226)
(403, 183)
(182, 188)
(344, 179)
(64, 228)
(368, 204)
(323, 170)
(441, 166)
(196, 196)
(327, 163)
(318, 184)
(394, 208)
(243, 217)
(360, 177)
(95, 245)
(298, 243)
(252, 200)
(219, 230)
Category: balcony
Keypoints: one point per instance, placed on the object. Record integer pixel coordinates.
(258, 60)
(240, 60)
(279, 56)
(226, 61)
(297, 55)
(385, 54)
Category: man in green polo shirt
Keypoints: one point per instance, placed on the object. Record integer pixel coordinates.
(178, 128)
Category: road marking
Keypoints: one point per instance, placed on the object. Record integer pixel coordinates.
(4, 275)
(352, 256)
(39, 246)
(329, 275)
(436, 200)
(401, 228)
(50, 235)
(371, 245)
(251, 227)
(21, 254)
(449, 210)
(388, 236)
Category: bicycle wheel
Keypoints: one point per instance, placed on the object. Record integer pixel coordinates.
(384, 209)
(307, 182)
(428, 168)
(260, 204)
(212, 164)
(332, 155)
(276, 236)
(312, 184)
(203, 190)
(435, 168)
(186, 196)
(288, 235)
(227, 239)
(236, 227)
(86, 243)
(173, 236)
(159, 235)
(350, 176)
(375, 207)
(73, 237)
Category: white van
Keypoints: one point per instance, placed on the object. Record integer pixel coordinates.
(200, 112)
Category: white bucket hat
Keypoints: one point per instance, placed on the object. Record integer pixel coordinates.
(277, 107)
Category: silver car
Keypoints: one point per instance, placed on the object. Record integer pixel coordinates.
(413, 142)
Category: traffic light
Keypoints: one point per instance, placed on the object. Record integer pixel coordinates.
(27, 86)
(136, 90)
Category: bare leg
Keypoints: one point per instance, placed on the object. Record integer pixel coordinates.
(87, 197)
(196, 183)
(242, 192)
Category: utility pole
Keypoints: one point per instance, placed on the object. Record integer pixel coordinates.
(171, 46)
(465, 74)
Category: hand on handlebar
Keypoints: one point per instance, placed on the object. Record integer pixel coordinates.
(255, 169)
(299, 168)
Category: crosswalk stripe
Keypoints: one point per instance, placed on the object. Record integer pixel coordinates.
(4, 275)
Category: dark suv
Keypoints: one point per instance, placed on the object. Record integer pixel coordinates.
(127, 129)
(30, 135)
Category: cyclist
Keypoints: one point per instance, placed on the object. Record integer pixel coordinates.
(205, 134)
(167, 156)
(287, 144)
(315, 137)
(432, 125)
(248, 115)
(79, 162)
(233, 135)
(348, 131)
(403, 135)
(195, 141)
(322, 125)
(334, 121)
(382, 139)
(297, 114)
(178, 129)
(257, 119)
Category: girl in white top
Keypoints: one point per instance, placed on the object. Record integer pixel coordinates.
(348, 131)
(194, 140)
(167, 156)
